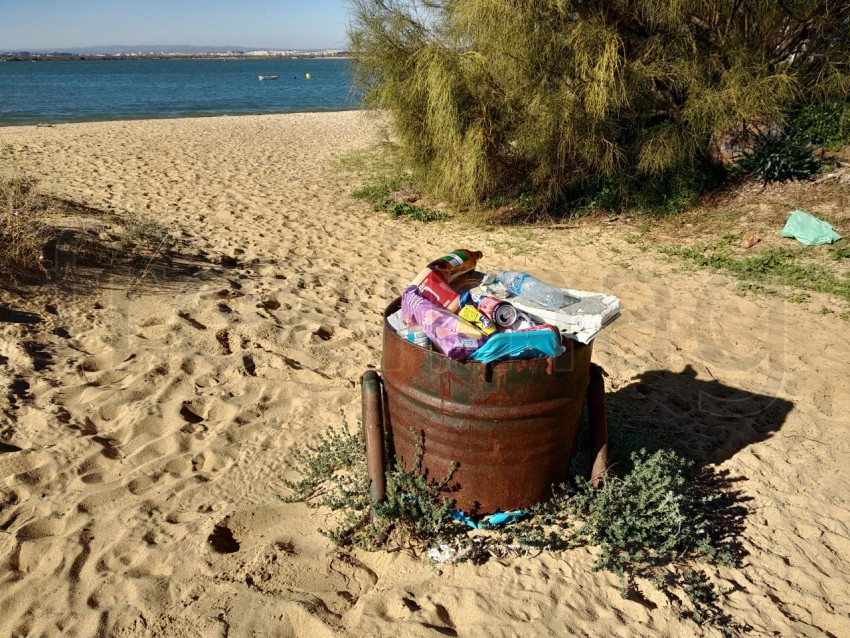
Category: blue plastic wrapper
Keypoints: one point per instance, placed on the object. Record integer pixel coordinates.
(494, 520)
(518, 345)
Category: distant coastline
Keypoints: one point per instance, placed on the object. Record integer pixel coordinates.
(65, 57)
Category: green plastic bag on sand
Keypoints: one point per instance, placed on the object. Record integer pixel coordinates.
(809, 230)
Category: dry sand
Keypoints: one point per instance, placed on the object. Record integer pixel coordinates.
(133, 425)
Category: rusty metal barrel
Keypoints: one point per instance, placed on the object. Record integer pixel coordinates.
(512, 426)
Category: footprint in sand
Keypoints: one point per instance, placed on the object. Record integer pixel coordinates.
(18, 462)
(330, 585)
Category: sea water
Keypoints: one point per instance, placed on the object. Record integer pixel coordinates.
(93, 90)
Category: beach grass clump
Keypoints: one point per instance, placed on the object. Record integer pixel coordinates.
(660, 522)
(489, 99)
(25, 227)
(43, 238)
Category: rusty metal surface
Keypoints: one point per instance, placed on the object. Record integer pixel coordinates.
(512, 425)
(598, 426)
(373, 433)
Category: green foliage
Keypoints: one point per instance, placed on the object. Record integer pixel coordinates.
(378, 194)
(824, 124)
(649, 518)
(776, 265)
(657, 522)
(333, 475)
(840, 252)
(489, 98)
(417, 508)
(403, 209)
(777, 157)
(375, 194)
(665, 194)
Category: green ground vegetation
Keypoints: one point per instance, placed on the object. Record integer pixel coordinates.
(389, 187)
(661, 521)
(791, 267)
(381, 196)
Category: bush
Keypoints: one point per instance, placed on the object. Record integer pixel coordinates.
(657, 522)
(333, 475)
(488, 98)
(646, 519)
(777, 157)
(825, 124)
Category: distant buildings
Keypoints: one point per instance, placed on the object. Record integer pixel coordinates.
(156, 53)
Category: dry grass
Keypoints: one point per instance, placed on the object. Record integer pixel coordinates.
(24, 228)
(45, 239)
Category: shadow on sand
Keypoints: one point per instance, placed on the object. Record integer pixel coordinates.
(706, 421)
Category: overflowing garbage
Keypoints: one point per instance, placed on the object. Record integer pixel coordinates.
(465, 314)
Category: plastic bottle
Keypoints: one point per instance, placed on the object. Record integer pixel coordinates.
(451, 266)
(534, 290)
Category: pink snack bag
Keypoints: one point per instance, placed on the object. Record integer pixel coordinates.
(451, 335)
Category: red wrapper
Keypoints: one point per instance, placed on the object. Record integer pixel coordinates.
(434, 288)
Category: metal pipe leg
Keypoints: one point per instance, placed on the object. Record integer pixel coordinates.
(598, 422)
(373, 434)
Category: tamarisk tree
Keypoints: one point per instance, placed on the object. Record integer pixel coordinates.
(491, 97)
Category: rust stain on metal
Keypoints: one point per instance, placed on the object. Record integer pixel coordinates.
(512, 426)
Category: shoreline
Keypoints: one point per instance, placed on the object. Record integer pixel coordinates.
(153, 118)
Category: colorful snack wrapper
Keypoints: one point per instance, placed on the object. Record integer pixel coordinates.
(449, 334)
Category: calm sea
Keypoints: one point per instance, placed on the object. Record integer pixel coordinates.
(90, 90)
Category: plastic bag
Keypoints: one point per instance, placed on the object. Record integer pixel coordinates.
(519, 345)
(808, 229)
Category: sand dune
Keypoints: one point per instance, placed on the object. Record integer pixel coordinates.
(135, 426)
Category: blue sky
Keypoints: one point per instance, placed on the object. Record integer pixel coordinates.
(280, 24)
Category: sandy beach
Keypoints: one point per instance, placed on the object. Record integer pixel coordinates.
(136, 417)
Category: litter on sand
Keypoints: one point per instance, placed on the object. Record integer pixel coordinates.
(808, 229)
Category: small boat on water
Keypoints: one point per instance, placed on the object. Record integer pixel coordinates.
(268, 77)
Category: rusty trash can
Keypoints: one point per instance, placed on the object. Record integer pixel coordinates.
(512, 426)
